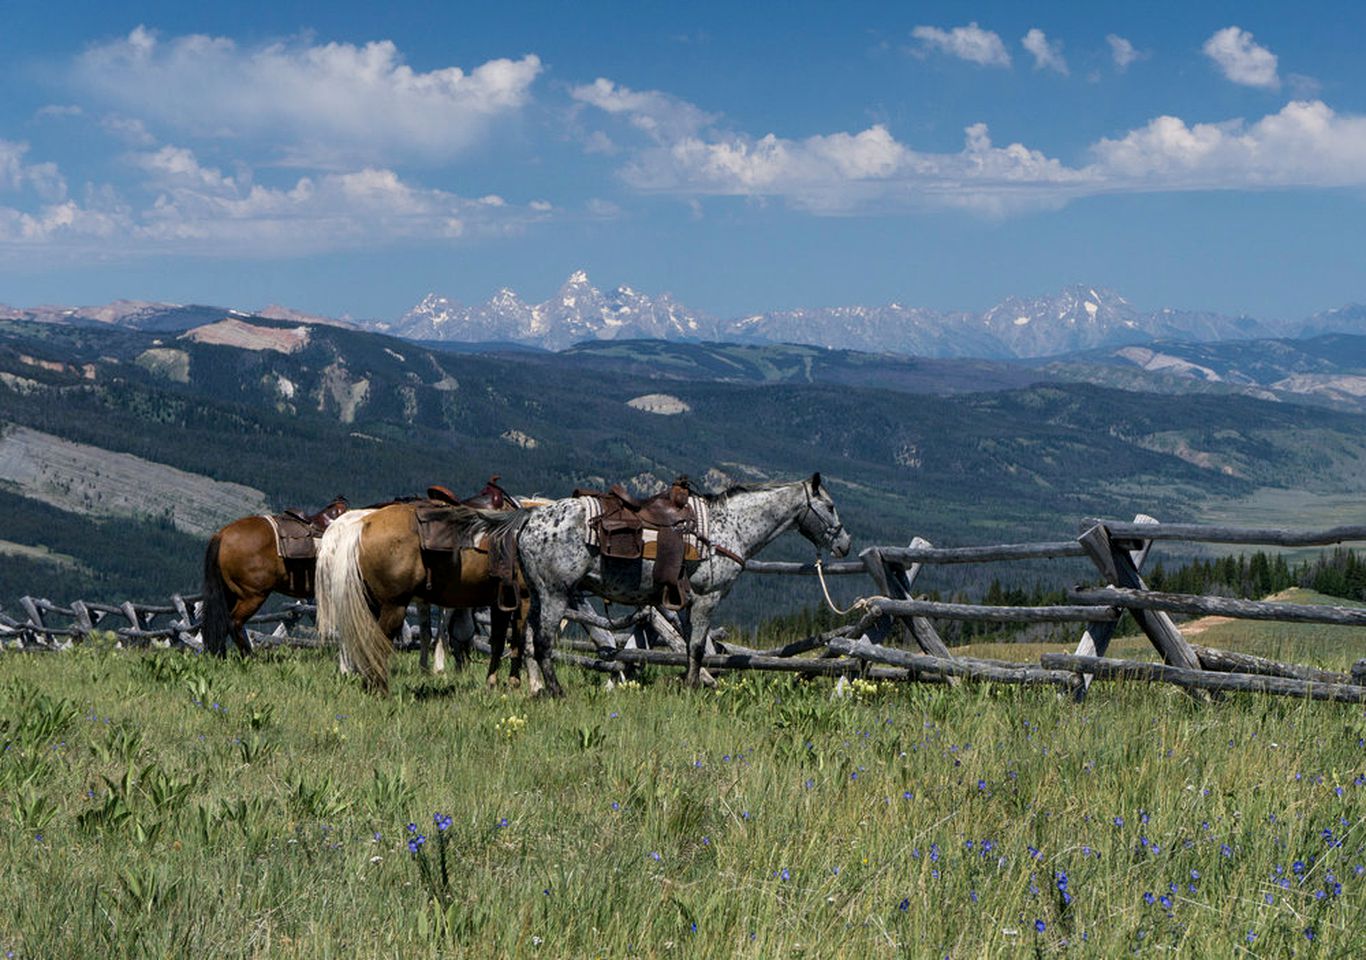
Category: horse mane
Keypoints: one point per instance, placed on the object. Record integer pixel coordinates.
(738, 488)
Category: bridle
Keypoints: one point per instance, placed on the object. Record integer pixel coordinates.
(830, 526)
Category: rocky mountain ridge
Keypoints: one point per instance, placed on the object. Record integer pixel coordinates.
(1076, 319)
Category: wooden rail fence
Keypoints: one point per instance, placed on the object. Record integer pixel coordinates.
(893, 622)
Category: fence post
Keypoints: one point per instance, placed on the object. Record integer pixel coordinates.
(35, 619)
(184, 627)
(1096, 640)
(895, 581)
(1117, 566)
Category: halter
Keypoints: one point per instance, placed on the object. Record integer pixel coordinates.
(831, 527)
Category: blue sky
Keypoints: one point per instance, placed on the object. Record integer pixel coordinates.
(348, 158)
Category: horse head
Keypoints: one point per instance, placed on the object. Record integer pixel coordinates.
(819, 521)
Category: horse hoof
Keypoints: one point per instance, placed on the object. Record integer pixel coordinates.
(492, 682)
(514, 682)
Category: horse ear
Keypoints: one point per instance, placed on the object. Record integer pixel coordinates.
(816, 482)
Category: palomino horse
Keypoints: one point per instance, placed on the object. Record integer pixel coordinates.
(243, 567)
(557, 559)
(371, 565)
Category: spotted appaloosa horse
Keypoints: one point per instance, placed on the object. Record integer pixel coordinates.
(557, 559)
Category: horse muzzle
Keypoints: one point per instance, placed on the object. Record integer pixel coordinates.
(839, 547)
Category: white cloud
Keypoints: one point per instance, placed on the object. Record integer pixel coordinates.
(324, 104)
(1047, 56)
(17, 174)
(1306, 144)
(660, 116)
(844, 173)
(193, 208)
(1241, 59)
(1122, 52)
(970, 43)
(130, 130)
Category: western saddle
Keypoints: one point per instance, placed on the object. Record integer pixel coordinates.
(621, 524)
(440, 532)
(297, 533)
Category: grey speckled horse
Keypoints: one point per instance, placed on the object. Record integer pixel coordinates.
(557, 560)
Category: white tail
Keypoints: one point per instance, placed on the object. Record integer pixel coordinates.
(344, 615)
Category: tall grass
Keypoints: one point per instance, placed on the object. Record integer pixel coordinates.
(161, 805)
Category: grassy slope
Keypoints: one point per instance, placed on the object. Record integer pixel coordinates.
(898, 823)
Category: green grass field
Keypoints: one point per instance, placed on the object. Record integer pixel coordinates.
(162, 805)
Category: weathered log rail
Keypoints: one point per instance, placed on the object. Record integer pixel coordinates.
(891, 618)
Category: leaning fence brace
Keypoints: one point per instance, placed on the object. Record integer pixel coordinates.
(890, 616)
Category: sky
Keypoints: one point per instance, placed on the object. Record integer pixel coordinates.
(349, 158)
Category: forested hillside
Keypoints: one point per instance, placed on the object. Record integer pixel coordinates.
(372, 417)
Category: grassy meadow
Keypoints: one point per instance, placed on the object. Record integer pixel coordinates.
(158, 804)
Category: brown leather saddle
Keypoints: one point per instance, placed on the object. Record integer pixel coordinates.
(623, 521)
(297, 533)
(440, 530)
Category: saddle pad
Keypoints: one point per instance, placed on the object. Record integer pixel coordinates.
(294, 539)
(695, 543)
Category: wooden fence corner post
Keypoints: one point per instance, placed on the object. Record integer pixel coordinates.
(1096, 639)
(1118, 566)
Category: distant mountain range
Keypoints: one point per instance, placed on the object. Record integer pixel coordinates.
(1077, 319)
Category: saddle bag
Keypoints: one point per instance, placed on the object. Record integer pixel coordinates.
(620, 538)
(436, 528)
(295, 539)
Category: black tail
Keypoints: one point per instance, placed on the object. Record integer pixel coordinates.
(216, 622)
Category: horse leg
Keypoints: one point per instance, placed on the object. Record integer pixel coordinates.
(500, 623)
(242, 611)
(548, 609)
(497, 643)
(459, 639)
(424, 636)
(697, 624)
(520, 629)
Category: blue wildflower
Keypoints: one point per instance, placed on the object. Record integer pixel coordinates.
(1040, 926)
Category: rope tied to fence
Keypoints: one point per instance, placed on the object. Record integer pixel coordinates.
(859, 604)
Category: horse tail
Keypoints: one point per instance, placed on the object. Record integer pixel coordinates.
(344, 614)
(216, 624)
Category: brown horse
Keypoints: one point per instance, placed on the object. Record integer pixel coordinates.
(243, 566)
(371, 565)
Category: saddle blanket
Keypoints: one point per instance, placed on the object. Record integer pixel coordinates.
(696, 542)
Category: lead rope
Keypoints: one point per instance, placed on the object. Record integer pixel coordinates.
(820, 573)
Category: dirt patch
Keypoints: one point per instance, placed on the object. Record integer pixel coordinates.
(247, 336)
(1194, 628)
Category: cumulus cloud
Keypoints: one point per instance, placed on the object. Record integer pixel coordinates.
(843, 173)
(1047, 56)
(1122, 52)
(1306, 144)
(327, 104)
(194, 208)
(1241, 59)
(970, 43)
